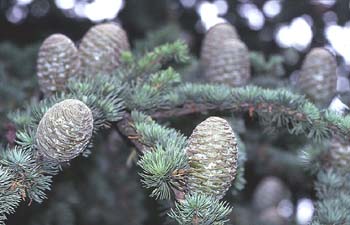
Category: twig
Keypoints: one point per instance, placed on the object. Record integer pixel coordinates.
(270, 108)
(125, 127)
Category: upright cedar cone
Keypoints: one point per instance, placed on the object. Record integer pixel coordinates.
(229, 64)
(214, 38)
(318, 78)
(65, 130)
(58, 60)
(101, 47)
(212, 153)
(339, 153)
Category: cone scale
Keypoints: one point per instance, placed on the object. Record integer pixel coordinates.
(64, 131)
(212, 153)
(214, 37)
(101, 47)
(58, 60)
(339, 154)
(318, 78)
(229, 64)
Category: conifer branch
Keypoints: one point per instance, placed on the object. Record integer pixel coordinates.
(126, 128)
(199, 209)
(330, 168)
(24, 174)
(275, 108)
(141, 85)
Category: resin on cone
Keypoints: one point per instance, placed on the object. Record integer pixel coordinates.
(318, 78)
(101, 47)
(64, 131)
(229, 64)
(212, 153)
(58, 60)
(215, 37)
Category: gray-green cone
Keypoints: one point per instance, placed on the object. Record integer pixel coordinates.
(214, 37)
(212, 153)
(339, 154)
(64, 131)
(229, 64)
(318, 77)
(58, 60)
(101, 47)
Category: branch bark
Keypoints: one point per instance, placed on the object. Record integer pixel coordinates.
(126, 129)
(251, 108)
(191, 108)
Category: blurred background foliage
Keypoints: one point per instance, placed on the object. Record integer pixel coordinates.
(105, 188)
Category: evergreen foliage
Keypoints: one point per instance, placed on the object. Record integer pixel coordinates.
(146, 89)
(201, 209)
(17, 83)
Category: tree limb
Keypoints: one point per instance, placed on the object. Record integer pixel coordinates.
(251, 108)
(126, 129)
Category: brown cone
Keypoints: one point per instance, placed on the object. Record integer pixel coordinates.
(229, 64)
(339, 153)
(101, 47)
(64, 131)
(318, 77)
(58, 61)
(214, 37)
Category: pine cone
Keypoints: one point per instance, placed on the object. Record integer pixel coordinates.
(229, 64)
(212, 153)
(318, 78)
(339, 154)
(65, 130)
(214, 38)
(58, 61)
(101, 47)
(269, 193)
